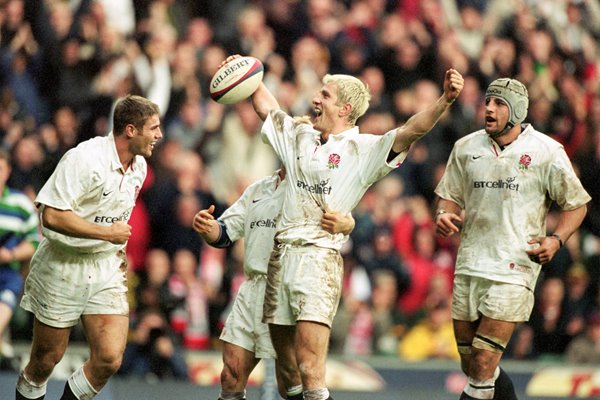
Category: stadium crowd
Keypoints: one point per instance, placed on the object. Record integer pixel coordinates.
(63, 64)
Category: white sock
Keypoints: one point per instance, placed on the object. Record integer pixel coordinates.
(80, 386)
(316, 394)
(30, 389)
(480, 389)
(294, 390)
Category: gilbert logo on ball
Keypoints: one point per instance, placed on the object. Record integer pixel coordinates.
(236, 80)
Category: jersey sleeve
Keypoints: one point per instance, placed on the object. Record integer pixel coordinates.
(450, 186)
(69, 182)
(235, 216)
(376, 150)
(280, 130)
(564, 187)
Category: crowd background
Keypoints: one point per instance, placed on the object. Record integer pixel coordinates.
(64, 63)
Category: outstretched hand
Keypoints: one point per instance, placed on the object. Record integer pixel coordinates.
(204, 220)
(453, 84)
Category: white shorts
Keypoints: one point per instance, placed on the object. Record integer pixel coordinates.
(61, 287)
(473, 297)
(244, 326)
(304, 283)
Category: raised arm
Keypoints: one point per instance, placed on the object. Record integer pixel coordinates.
(263, 101)
(422, 122)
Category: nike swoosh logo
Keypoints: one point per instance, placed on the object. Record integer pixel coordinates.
(476, 157)
(256, 201)
(107, 193)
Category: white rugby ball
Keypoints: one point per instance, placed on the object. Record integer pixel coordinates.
(236, 80)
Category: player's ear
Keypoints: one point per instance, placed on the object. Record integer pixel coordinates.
(345, 110)
(130, 130)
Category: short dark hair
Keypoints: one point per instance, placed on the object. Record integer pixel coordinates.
(132, 109)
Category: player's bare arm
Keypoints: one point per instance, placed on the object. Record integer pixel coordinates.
(263, 101)
(70, 224)
(204, 223)
(447, 217)
(568, 223)
(422, 122)
(336, 223)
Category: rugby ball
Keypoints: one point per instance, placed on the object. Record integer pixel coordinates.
(236, 80)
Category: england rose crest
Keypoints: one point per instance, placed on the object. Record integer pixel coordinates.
(524, 161)
(334, 161)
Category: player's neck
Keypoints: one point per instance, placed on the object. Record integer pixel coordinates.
(506, 139)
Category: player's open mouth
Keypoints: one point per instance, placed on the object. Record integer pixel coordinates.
(316, 113)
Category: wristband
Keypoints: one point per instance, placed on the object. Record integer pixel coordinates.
(557, 237)
(438, 213)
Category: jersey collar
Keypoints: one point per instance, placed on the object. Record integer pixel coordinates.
(348, 134)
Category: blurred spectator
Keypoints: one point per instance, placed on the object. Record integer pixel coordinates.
(28, 158)
(390, 323)
(589, 165)
(19, 237)
(386, 258)
(189, 319)
(151, 352)
(170, 202)
(577, 303)
(243, 157)
(548, 320)
(152, 291)
(353, 327)
(585, 349)
(432, 338)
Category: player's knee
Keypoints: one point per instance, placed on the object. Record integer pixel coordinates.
(482, 365)
(106, 365)
(42, 363)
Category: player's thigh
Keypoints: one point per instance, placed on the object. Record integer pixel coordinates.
(312, 340)
(49, 343)
(106, 335)
(496, 332)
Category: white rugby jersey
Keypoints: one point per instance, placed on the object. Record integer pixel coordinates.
(254, 217)
(331, 177)
(506, 195)
(89, 181)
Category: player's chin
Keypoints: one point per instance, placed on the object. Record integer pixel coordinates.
(147, 152)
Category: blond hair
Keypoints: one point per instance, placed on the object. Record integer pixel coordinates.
(350, 90)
